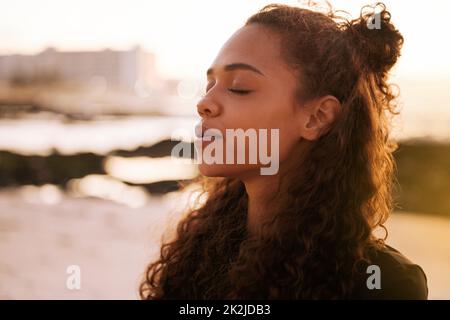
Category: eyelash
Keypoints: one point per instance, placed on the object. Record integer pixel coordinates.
(234, 91)
(239, 92)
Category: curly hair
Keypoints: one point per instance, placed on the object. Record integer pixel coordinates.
(328, 207)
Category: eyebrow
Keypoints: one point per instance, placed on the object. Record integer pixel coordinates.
(236, 66)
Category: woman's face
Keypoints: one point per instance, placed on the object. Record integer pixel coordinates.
(249, 86)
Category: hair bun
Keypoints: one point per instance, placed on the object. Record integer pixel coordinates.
(375, 38)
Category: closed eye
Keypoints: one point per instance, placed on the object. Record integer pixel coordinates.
(239, 91)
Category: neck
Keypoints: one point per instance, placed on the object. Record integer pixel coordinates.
(262, 190)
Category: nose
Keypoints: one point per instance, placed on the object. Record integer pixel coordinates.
(207, 108)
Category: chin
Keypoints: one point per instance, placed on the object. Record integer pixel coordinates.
(226, 170)
(213, 170)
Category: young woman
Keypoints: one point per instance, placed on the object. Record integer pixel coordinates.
(305, 232)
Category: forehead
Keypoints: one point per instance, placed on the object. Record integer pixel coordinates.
(255, 45)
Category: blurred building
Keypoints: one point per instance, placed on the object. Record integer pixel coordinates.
(123, 69)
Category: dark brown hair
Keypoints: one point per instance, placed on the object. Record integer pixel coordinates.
(327, 208)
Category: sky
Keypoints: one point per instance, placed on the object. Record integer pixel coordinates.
(186, 35)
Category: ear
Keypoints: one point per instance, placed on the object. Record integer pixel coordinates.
(317, 116)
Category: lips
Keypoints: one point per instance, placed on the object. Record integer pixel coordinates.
(203, 131)
(199, 129)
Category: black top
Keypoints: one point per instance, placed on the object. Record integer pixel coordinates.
(399, 278)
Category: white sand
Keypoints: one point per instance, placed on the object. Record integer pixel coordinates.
(112, 244)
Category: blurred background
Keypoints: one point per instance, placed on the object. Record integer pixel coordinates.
(94, 95)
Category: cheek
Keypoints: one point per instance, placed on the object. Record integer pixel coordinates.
(263, 113)
(283, 120)
(287, 143)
